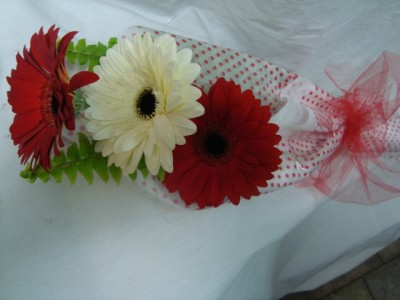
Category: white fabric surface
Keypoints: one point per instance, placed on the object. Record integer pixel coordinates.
(119, 242)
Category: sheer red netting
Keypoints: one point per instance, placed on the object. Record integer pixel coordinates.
(365, 166)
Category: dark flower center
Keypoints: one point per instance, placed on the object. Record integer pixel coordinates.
(54, 105)
(146, 104)
(215, 145)
(50, 105)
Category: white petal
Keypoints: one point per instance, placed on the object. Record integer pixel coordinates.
(151, 135)
(119, 159)
(106, 147)
(117, 63)
(166, 160)
(179, 138)
(127, 141)
(185, 56)
(184, 125)
(135, 159)
(190, 110)
(164, 131)
(191, 72)
(187, 71)
(175, 96)
(101, 133)
(153, 160)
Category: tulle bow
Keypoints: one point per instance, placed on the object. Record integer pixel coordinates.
(365, 166)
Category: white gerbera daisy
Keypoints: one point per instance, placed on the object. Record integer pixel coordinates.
(143, 102)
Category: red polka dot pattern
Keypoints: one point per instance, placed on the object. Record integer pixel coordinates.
(264, 79)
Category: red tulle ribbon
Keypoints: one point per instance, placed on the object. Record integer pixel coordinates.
(365, 166)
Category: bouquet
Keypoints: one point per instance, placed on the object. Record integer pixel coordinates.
(200, 124)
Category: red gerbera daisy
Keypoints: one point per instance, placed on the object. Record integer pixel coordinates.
(232, 153)
(41, 97)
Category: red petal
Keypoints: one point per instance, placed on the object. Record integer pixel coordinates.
(64, 42)
(41, 54)
(240, 113)
(24, 105)
(28, 72)
(23, 123)
(28, 135)
(81, 79)
(203, 199)
(217, 194)
(189, 183)
(201, 180)
(218, 103)
(24, 87)
(181, 166)
(205, 102)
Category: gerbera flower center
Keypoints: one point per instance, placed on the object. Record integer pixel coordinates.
(54, 105)
(50, 105)
(146, 104)
(214, 145)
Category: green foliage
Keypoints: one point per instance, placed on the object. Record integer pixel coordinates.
(88, 54)
(116, 173)
(161, 174)
(79, 158)
(80, 103)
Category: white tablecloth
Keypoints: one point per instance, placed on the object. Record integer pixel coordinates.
(118, 242)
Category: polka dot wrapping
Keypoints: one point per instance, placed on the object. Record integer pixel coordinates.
(305, 145)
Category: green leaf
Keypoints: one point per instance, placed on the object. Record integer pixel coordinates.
(71, 56)
(83, 58)
(143, 168)
(133, 176)
(79, 102)
(102, 49)
(116, 173)
(144, 172)
(28, 174)
(57, 160)
(43, 175)
(94, 59)
(57, 174)
(93, 49)
(142, 164)
(81, 52)
(32, 179)
(92, 64)
(81, 45)
(72, 173)
(101, 168)
(161, 174)
(85, 167)
(73, 153)
(112, 41)
(88, 54)
(85, 147)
